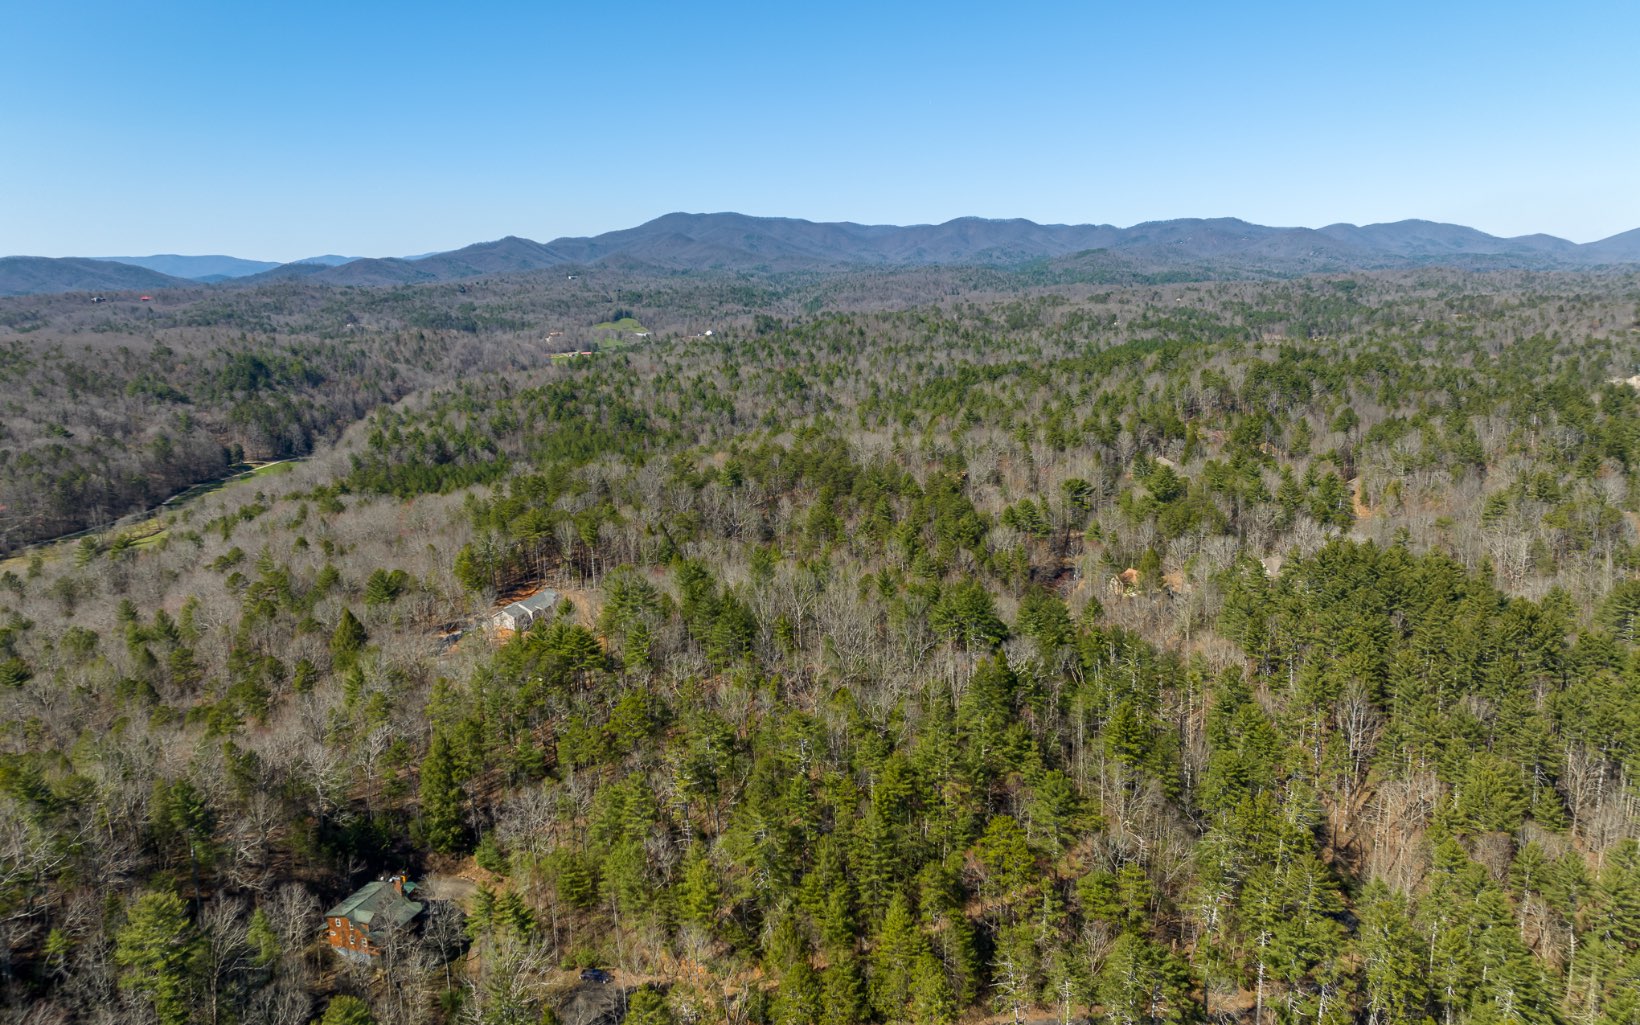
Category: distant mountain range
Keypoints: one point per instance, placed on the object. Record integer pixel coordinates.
(215, 268)
(736, 242)
(196, 268)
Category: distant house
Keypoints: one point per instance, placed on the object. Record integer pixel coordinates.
(357, 926)
(1124, 583)
(521, 614)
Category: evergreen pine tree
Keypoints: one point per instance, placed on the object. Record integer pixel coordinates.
(843, 992)
(899, 943)
(347, 639)
(442, 827)
(347, 1010)
(1395, 989)
(263, 940)
(157, 951)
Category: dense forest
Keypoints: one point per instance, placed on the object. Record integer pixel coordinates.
(930, 647)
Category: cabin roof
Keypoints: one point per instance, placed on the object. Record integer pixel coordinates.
(377, 901)
(540, 601)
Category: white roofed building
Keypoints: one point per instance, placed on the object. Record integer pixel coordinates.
(525, 612)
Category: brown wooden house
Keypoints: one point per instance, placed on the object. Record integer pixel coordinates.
(356, 926)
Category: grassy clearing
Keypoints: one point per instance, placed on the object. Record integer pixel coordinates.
(271, 469)
(151, 539)
(626, 325)
(17, 564)
(253, 473)
(149, 532)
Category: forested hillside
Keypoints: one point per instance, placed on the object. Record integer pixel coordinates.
(111, 406)
(1015, 648)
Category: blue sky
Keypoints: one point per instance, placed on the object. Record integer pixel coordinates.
(277, 131)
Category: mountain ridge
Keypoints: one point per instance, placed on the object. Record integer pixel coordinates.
(740, 242)
(195, 268)
(38, 275)
(734, 242)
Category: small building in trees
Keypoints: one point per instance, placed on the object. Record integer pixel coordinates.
(521, 614)
(357, 926)
(1125, 583)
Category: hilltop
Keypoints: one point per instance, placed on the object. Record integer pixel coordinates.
(35, 275)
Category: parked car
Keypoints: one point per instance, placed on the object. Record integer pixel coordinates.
(597, 975)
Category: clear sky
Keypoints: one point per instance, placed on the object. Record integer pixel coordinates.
(283, 130)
